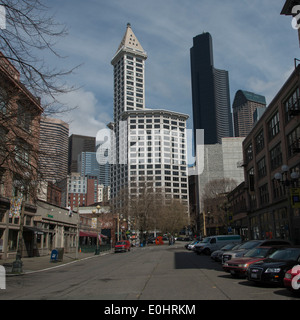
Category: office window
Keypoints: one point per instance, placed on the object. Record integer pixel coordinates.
(276, 157)
(293, 141)
(261, 168)
(259, 142)
(264, 194)
(273, 126)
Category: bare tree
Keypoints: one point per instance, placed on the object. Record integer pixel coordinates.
(215, 203)
(29, 32)
(218, 186)
(25, 80)
(172, 217)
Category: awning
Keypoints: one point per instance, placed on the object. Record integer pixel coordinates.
(87, 234)
(90, 234)
(33, 229)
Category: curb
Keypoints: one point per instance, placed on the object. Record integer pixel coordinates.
(9, 274)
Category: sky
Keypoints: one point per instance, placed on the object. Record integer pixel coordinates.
(251, 40)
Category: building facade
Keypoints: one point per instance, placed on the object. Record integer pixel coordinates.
(210, 92)
(244, 106)
(221, 161)
(272, 166)
(157, 152)
(20, 114)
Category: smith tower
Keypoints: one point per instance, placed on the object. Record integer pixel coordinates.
(149, 146)
(129, 75)
(129, 94)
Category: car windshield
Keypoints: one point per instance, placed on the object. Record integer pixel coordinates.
(228, 246)
(286, 254)
(249, 245)
(205, 240)
(120, 242)
(257, 252)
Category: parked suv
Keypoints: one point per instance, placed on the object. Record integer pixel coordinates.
(212, 243)
(245, 247)
(122, 246)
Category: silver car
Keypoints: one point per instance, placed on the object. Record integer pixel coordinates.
(245, 247)
(217, 255)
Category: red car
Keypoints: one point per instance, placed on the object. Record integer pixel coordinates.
(122, 246)
(292, 279)
(239, 266)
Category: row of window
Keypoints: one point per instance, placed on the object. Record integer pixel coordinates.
(293, 143)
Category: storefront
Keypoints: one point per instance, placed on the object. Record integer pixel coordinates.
(58, 228)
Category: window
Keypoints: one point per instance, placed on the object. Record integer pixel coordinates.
(24, 117)
(251, 179)
(259, 142)
(249, 153)
(291, 105)
(273, 126)
(264, 194)
(22, 150)
(261, 168)
(276, 157)
(293, 141)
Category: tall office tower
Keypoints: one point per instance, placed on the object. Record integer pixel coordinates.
(244, 106)
(78, 144)
(150, 145)
(54, 149)
(210, 92)
(129, 94)
(88, 164)
(54, 135)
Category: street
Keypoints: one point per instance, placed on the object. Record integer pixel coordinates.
(149, 273)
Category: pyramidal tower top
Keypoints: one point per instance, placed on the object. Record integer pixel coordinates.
(130, 44)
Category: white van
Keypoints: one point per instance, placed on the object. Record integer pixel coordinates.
(212, 243)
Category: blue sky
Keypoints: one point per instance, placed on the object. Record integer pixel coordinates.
(250, 39)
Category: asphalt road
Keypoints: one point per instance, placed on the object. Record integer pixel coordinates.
(150, 273)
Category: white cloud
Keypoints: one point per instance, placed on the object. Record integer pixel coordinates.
(87, 116)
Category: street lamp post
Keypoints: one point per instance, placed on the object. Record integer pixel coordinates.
(97, 213)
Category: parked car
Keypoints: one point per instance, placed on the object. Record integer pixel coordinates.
(184, 239)
(122, 246)
(191, 245)
(217, 255)
(245, 247)
(291, 279)
(273, 269)
(239, 266)
(212, 243)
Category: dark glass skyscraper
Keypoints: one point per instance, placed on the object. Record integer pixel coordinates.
(210, 92)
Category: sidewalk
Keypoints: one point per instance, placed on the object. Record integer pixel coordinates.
(38, 264)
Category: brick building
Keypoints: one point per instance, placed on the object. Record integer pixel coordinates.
(20, 114)
(272, 166)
